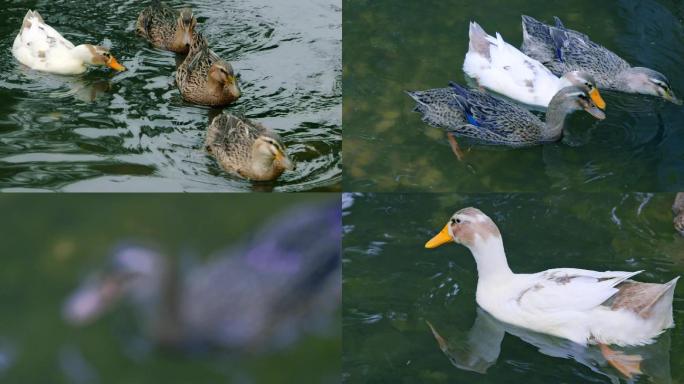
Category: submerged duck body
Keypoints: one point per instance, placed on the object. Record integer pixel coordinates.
(41, 47)
(246, 148)
(586, 307)
(492, 121)
(167, 28)
(206, 79)
(563, 50)
(261, 295)
(502, 68)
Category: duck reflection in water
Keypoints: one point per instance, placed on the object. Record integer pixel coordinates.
(256, 297)
(481, 347)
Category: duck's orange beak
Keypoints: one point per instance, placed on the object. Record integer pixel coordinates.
(113, 64)
(442, 237)
(597, 99)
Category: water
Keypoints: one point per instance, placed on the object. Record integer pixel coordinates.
(395, 46)
(131, 131)
(392, 285)
(51, 243)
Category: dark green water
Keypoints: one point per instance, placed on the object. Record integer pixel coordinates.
(392, 285)
(393, 46)
(50, 243)
(131, 131)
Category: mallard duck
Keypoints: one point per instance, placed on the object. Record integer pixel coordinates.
(167, 28)
(247, 148)
(204, 78)
(678, 210)
(492, 121)
(498, 66)
(563, 50)
(586, 307)
(259, 295)
(41, 47)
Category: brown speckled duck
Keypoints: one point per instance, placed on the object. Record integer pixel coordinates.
(678, 210)
(167, 28)
(247, 148)
(206, 79)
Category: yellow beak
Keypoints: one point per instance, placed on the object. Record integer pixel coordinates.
(113, 64)
(597, 99)
(442, 237)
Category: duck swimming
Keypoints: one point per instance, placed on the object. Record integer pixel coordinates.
(583, 306)
(206, 79)
(678, 210)
(41, 47)
(492, 121)
(247, 148)
(261, 295)
(563, 50)
(167, 28)
(500, 67)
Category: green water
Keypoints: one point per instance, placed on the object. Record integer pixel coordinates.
(392, 46)
(50, 243)
(131, 131)
(392, 285)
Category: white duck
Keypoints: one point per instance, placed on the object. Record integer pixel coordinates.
(500, 67)
(583, 306)
(41, 47)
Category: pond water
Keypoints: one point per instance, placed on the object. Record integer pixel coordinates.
(393, 286)
(391, 46)
(52, 243)
(131, 131)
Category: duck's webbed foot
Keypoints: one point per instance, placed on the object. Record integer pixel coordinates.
(455, 147)
(628, 365)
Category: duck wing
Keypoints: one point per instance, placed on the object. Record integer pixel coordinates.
(570, 289)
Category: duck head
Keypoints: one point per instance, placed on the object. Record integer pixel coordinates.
(269, 158)
(648, 82)
(133, 272)
(98, 55)
(467, 227)
(587, 83)
(185, 29)
(573, 98)
(222, 74)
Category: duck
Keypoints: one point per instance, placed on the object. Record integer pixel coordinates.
(167, 28)
(492, 121)
(40, 47)
(563, 50)
(246, 148)
(678, 210)
(206, 79)
(500, 67)
(583, 306)
(259, 295)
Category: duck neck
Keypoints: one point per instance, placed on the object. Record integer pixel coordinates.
(84, 53)
(491, 260)
(555, 120)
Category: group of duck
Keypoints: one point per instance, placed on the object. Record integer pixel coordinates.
(558, 69)
(241, 146)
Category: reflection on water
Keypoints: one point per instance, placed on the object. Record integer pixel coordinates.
(393, 286)
(132, 131)
(417, 45)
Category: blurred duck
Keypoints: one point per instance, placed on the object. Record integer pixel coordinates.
(491, 121)
(583, 306)
(167, 28)
(678, 210)
(204, 78)
(247, 148)
(41, 47)
(259, 296)
(500, 67)
(563, 50)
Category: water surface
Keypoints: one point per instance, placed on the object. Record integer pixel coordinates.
(393, 46)
(392, 285)
(131, 131)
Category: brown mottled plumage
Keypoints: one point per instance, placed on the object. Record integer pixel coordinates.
(167, 28)
(678, 210)
(204, 78)
(641, 298)
(246, 148)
